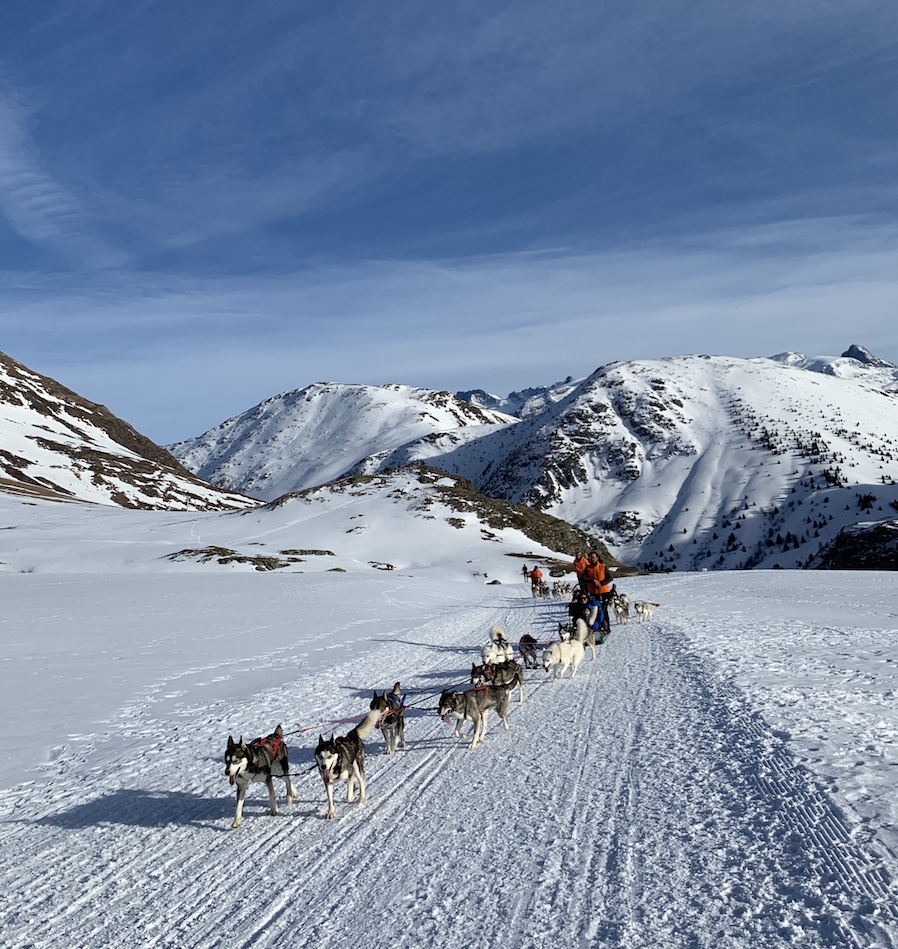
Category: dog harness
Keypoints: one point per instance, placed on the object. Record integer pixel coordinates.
(270, 745)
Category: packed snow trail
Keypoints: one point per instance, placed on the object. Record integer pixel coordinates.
(642, 804)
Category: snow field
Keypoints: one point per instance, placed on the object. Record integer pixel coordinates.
(644, 803)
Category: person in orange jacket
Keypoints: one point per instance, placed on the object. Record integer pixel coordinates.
(536, 578)
(580, 564)
(598, 583)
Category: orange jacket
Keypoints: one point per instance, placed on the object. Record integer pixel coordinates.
(580, 564)
(536, 574)
(597, 581)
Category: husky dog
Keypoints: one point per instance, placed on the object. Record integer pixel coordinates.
(260, 760)
(644, 609)
(561, 589)
(473, 706)
(527, 649)
(585, 636)
(343, 759)
(392, 724)
(498, 649)
(620, 604)
(560, 656)
(504, 675)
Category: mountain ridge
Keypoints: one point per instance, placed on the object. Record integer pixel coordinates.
(656, 455)
(57, 444)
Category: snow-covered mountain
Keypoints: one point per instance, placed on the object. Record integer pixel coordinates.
(687, 462)
(53, 443)
(526, 402)
(318, 434)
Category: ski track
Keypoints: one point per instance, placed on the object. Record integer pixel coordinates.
(641, 804)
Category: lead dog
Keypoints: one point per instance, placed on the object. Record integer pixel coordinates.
(343, 759)
(392, 724)
(505, 675)
(473, 706)
(644, 609)
(563, 655)
(260, 760)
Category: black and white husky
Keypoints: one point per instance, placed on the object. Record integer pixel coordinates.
(527, 649)
(644, 609)
(474, 706)
(260, 760)
(343, 759)
(505, 675)
(620, 604)
(392, 724)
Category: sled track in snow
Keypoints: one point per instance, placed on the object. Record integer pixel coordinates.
(642, 804)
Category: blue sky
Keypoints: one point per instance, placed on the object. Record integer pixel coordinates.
(204, 204)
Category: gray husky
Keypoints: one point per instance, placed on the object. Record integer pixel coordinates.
(473, 706)
(343, 759)
(260, 760)
(620, 605)
(391, 706)
(644, 609)
(505, 675)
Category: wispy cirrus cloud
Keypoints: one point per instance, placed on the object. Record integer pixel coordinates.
(488, 194)
(295, 126)
(35, 205)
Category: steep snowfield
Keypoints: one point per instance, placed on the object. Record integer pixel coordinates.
(55, 443)
(696, 462)
(724, 776)
(314, 435)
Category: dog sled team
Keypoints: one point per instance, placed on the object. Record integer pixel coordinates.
(492, 681)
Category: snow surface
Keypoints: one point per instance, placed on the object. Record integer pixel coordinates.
(723, 776)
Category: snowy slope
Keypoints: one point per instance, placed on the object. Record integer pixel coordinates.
(318, 434)
(721, 778)
(688, 462)
(398, 520)
(55, 443)
(696, 461)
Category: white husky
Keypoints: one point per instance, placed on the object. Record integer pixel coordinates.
(583, 634)
(644, 609)
(498, 649)
(560, 656)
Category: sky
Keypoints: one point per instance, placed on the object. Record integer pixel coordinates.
(201, 207)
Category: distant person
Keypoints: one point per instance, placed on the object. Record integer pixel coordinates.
(580, 564)
(536, 581)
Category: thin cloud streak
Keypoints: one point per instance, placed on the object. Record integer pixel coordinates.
(35, 205)
(209, 203)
